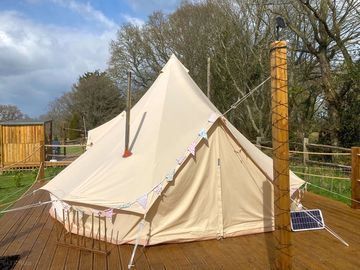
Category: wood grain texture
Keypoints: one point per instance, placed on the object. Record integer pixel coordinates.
(280, 142)
(18, 143)
(32, 234)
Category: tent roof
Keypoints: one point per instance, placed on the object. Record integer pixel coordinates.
(165, 121)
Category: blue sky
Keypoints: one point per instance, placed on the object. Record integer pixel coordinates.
(45, 45)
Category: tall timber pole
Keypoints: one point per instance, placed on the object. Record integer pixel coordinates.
(127, 151)
(280, 141)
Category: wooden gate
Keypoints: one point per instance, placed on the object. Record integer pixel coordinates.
(20, 143)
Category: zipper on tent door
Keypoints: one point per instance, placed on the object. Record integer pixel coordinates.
(220, 233)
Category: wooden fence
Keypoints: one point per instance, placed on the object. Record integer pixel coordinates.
(355, 177)
(331, 163)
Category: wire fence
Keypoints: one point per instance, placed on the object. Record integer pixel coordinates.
(17, 178)
(15, 184)
(327, 168)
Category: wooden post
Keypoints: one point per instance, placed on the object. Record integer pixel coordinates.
(127, 152)
(63, 142)
(208, 78)
(355, 176)
(1, 149)
(305, 150)
(42, 161)
(280, 142)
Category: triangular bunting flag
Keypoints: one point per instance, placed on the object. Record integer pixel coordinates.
(124, 205)
(213, 117)
(180, 160)
(170, 176)
(65, 206)
(109, 213)
(158, 188)
(191, 148)
(203, 133)
(143, 201)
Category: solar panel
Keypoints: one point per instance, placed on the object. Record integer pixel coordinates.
(305, 220)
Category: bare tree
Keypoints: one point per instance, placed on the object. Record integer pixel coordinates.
(195, 32)
(10, 112)
(328, 31)
(236, 35)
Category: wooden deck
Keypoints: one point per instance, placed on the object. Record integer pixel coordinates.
(32, 235)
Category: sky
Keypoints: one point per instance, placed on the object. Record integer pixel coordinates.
(45, 45)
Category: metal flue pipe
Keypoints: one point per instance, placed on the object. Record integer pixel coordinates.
(127, 151)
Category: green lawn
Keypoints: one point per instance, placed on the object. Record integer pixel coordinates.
(72, 150)
(325, 181)
(14, 184)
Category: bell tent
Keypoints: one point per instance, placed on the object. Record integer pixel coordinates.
(192, 174)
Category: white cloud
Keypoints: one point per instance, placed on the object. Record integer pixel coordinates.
(133, 20)
(40, 62)
(148, 6)
(87, 11)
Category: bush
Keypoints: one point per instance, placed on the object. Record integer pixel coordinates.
(17, 178)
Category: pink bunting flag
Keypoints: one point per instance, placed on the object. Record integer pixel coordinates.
(191, 148)
(109, 213)
(203, 133)
(180, 160)
(143, 201)
(158, 189)
(65, 206)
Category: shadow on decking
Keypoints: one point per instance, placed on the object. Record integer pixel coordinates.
(32, 235)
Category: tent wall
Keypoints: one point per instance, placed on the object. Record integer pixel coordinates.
(217, 193)
(248, 195)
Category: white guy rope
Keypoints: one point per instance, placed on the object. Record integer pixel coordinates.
(140, 231)
(322, 176)
(27, 206)
(327, 228)
(24, 195)
(17, 162)
(12, 194)
(239, 101)
(310, 153)
(338, 194)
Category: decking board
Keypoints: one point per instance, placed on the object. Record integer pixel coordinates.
(32, 233)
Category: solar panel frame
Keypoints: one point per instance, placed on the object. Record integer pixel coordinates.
(306, 220)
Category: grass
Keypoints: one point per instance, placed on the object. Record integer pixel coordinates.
(325, 182)
(14, 184)
(71, 151)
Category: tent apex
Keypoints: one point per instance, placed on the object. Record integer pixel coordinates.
(173, 61)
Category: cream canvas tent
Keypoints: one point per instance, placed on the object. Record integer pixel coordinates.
(192, 175)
